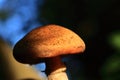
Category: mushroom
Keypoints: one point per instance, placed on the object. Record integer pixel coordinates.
(49, 43)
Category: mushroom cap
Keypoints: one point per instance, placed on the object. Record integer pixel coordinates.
(45, 42)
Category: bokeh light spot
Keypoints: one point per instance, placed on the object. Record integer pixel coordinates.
(114, 40)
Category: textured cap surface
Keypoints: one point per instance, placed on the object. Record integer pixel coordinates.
(47, 41)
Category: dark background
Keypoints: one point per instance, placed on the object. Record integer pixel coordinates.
(97, 22)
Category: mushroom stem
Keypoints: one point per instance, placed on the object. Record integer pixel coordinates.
(55, 69)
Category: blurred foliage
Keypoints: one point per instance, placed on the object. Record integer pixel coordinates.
(111, 68)
(3, 15)
(114, 40)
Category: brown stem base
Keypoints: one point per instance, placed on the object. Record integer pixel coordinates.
(55, 69)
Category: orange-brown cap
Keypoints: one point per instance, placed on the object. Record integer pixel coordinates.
(47, 41)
